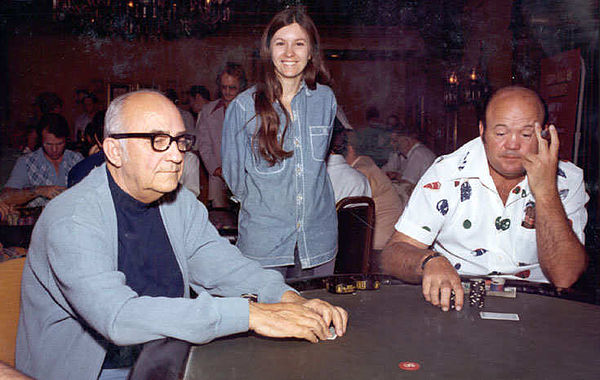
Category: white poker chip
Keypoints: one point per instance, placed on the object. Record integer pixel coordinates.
(332, 333)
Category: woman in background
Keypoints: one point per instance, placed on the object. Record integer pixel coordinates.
(275, 139)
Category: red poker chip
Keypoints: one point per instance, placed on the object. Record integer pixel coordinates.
(409, 366)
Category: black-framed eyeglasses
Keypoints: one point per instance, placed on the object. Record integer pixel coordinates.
(160, 141)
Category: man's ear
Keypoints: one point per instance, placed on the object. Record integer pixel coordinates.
(481, 129)
(113, 151)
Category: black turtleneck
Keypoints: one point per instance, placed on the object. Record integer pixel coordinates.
(146, 256)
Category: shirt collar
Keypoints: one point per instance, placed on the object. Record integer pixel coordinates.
(413, 148)
(473, 163)
(336, 160)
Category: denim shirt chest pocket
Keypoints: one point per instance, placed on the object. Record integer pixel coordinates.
(319, 140)
(259, 164)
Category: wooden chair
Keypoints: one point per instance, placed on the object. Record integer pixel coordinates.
(10, 297)
(356, 222)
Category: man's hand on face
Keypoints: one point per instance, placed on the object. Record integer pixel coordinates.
(49, 191)
(439, 279)
(541, 167)
(297, 317)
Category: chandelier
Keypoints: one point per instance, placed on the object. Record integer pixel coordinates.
(132, 19)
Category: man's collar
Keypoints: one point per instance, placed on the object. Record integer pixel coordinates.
(336, 159)
(473, 163)
(415, 145)
(123, 199)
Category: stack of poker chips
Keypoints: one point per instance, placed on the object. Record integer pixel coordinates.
(477, 293)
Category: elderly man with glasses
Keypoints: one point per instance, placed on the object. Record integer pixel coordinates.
(113, 259)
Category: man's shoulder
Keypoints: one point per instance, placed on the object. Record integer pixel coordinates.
(459, 163)
(424, 151)
(569, 173)
(32, 156)
(79, 200)
(73, 155)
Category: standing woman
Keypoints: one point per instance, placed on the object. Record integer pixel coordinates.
(275, 138)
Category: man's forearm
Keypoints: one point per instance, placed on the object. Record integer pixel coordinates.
(561, 256)
(17, 197)
(403, 260)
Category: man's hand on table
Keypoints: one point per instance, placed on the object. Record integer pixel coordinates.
(439, 279)
(297, 317)
(5, 211)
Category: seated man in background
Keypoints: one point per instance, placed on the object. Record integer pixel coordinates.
(346, 181)
(112, 261)
(409, 159)
(374, 138)
(39, 176)
(388, 204)
(501, 205)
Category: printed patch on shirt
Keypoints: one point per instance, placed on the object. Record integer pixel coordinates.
(467, 224)
(464, 161)
(439, 160)
(523, 193)
(456, 183)
(457, 266)
(442, 206)
(529, 218)
(433, 186)
(523, 274)
(516, 190)
(563, 193)
(502, 224)
(478, 252)
(465, 191)
(426, 228)
(560, 173)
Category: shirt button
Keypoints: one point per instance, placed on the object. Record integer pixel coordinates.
(297, 143)
(298, 225)
(298, 170)
(299, 199)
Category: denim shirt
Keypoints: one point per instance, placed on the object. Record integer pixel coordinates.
(291, 202)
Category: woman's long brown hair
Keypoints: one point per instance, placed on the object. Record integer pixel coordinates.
(268, 88)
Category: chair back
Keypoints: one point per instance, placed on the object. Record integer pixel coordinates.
(10, 298)
(356, 222)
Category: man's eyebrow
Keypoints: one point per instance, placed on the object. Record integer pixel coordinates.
(163, 132)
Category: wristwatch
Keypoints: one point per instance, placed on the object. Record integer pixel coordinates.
(429, 257)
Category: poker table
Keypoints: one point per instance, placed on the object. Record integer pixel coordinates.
(555, 338)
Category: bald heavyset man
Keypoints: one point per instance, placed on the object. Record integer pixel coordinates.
(501, 205)
(113, 258)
